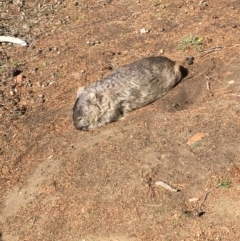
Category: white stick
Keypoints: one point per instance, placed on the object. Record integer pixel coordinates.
(165, 185)
(13, 40)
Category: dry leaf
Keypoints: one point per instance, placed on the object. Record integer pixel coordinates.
(19, 78)
(196, 137)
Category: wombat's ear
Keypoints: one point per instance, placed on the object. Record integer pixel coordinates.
(92, 97)
(80, 90)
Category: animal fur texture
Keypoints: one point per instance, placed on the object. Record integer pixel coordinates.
(128, 88)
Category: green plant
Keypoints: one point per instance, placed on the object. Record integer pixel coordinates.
(225, 184)
(14, 63)
(1, 69)
(191, 41)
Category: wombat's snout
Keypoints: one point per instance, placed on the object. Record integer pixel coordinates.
(77, 117)
(82, 128)
(77, 123)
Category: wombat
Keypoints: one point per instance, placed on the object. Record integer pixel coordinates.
(128, 88)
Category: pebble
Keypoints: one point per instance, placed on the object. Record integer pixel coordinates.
(203, 3)
(144, 31)
(12, 86)
(90, 43)
(194, 199)
(231, 82)
(15, 101)
(190, 60)
(44, 84)
(29, 84)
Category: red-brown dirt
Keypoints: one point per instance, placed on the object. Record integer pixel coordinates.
(58, 183)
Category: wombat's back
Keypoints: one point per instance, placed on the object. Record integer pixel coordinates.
(140, 73)
(142, 82)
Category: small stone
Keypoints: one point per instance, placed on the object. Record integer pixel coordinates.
(203, 3)
(194, 199)
(161, 29)
(11, 92)
(52, 83)
(76, 4)
(190, 60)
(40, 95)
(90, 43)
(234, 26)
(209, 40)
(144, 31)
(20, 110)
(15, 101)
(161, 51)
(12, 86)
(45, 84)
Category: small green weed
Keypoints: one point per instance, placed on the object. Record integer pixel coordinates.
(1, 69)
(14, 63)
(225, 184)
(191, 41)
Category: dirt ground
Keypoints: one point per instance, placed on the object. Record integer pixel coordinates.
(57, 183)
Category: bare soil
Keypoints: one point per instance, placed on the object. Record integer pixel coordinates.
(57, 183)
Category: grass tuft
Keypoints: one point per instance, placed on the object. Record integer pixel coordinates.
(191, 41)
